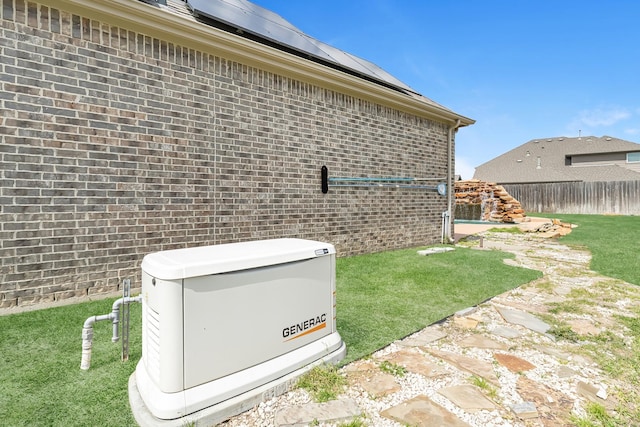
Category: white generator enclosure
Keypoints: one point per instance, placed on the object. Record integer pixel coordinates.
(220, 321)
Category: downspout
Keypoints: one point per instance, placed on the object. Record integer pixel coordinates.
(87, 328)
(450, 183)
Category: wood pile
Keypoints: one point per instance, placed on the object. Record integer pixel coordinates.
(486, 201)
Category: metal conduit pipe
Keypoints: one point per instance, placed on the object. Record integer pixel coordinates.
(383, 179)
(87, 328)
(390, 185)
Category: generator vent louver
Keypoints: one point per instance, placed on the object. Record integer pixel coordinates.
(151, 343)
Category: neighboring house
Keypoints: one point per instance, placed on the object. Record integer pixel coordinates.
(563, 159)
(585, 174)
(128, 127)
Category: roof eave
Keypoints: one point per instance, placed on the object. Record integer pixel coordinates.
(156, 22)
(603, 152)
(537, 182)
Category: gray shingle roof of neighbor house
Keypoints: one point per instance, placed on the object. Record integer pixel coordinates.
(544, 160)
(246, 19)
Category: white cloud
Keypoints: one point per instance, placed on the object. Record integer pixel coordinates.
(602, 116)
(464, 168)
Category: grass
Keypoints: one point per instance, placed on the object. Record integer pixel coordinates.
(622, 358)
(323, 382)
(570, 306)
(596, 416)
(612, 241)
(41, 383)
(484, 385)
(387, 296)
(356, 422)
(562, 332)
(381, 298)
(512, 230)
(393, 369)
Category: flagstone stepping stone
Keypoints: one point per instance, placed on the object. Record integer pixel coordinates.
(422, 412)
(375, 383)
(591, 392)
(424, 337)
(582, 360)
(553, 407)
(332, 411)
(552, 351)
(415, 362)
(432, 251)
(523, 318)
(513, 363)
(562, 290)
(505, 332)
(584, 327)
(466, 311)
(595, 394)
(525, 410)
(474, 366)
(361, 366)
(465, 322)
(467, 397)
(566, 372)
(525, 295)
(512, 262)
(524, 306)
(480, 341)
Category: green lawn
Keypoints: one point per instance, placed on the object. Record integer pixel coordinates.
(381, 298)
(41, 383)
(389, 295)
(613, 241)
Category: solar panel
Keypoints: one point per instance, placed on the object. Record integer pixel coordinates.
(258, 21)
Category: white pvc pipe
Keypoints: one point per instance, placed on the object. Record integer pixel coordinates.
(444, 226)
(115, 311)
(87, 328)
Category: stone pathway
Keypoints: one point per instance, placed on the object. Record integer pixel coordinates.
(520, 359)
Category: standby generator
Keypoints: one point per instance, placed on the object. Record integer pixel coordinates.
(229, 325)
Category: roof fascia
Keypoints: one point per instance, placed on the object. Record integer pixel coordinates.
(159, 23)
(538, 182)
(591, 153)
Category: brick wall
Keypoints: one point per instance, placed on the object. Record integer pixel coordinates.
(115, 144)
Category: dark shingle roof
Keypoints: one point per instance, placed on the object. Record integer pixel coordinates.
(543, 160)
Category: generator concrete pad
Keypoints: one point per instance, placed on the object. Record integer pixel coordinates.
(222, 411)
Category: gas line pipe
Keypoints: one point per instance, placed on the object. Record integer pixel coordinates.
(87, 328)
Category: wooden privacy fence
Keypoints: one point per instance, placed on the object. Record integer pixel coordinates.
(617, 197)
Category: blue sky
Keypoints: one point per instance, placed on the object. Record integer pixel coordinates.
(522, 69)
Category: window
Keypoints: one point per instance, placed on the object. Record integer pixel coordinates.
(633, 157)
